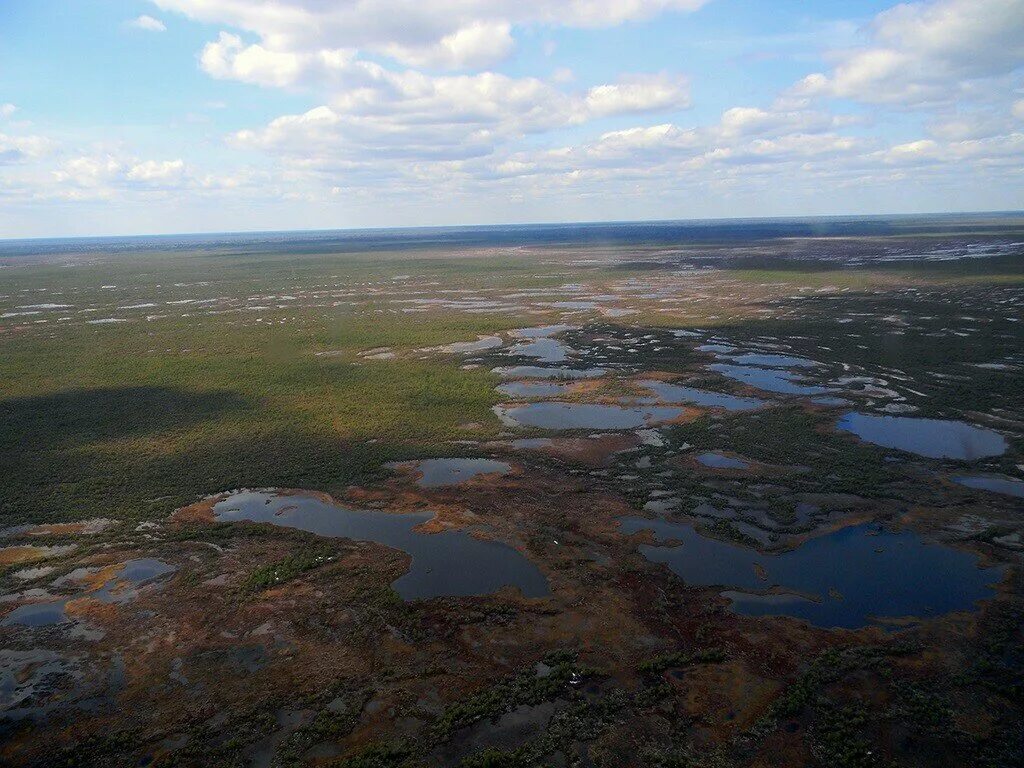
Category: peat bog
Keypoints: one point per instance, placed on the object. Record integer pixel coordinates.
(724, 495)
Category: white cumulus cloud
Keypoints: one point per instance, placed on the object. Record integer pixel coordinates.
(440, 33)
(18, 149)
(927, 52)
(639, 93)
(147, 23)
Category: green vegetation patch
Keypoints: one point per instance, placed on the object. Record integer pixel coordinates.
(288, 568)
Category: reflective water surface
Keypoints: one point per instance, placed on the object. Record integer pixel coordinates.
(846, 579)
(720, 461)
(993, 483)
(439, 472)
(449, 563)
(674, 393)
(563, 416)
(934, 438)
(768, 379)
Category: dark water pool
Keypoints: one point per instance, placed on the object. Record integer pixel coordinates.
(934, 438)
(847, 579)
(721, 461)
(768, 379)
(450, 563)
(135, 573)
(144, 569)
(37, 615)
(772, 361)
(440, 472)
(674, 393)
(564, 416)
(1005, 485)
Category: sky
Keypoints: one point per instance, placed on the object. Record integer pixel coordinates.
(165, 116)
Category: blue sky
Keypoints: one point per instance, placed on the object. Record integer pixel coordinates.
(121, 117)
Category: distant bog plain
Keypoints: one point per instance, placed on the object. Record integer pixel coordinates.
(742, 493)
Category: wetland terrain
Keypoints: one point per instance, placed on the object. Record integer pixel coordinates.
(685, 494)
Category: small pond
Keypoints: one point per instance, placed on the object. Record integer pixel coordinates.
(465, 347)
(770, 380)
(37, 615)
(543, 349)
(449, 563)
(1005, 485)
(563, 416)
(674, 393)
(848, 579)
(440, 472)
(721, 461)
(122, 587)
(934, 438)
(772, 361)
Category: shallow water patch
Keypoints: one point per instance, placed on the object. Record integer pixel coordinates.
(440, 472)
(532, 443)
(464, 347)
(32, 682)
(543, 349)
(449, 563)
(123, 587)
(37, 615)
(565, 416)
(1007, 486)
(772, 361)
(933, 438)
(770, 380)
(674, 393)
(847, 579)
(716, 460)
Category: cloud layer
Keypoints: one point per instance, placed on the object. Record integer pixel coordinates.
(435, 33)
(413, 102)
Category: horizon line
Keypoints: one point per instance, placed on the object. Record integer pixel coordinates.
(524, 225)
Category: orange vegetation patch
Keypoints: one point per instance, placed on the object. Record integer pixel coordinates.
(200, 512)
(688, 415)
(712, 693)
(12, 555)
(29, 554)
(586, 387)
(399, 500)
(90, 609)
(95, 579)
